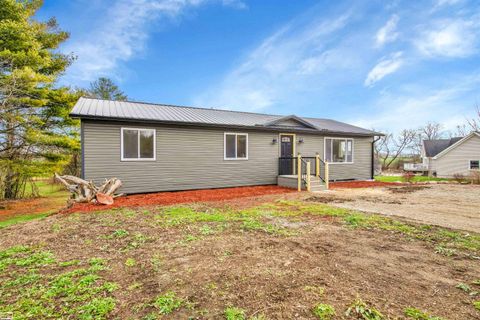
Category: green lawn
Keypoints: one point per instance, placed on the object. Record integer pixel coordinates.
(400, 179)
(52, 198)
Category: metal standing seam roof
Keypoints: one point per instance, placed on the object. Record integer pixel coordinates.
(89, 108)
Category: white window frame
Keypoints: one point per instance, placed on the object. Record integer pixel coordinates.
(331, 149)
(470, 164)
(138, 151)
(225, 145)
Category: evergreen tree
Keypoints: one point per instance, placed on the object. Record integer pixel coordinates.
(105, 88)
(36, 134)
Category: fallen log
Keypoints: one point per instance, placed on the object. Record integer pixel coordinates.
(87, 191)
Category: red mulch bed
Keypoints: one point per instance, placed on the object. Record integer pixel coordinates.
(168, 198)
(360, 184)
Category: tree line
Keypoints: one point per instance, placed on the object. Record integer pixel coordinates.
(408, 143)
(37, 136)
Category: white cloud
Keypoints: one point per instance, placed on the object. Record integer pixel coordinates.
(409, 107)
(237, 4)
(388, 32)
(446, 2)
(449, 38)
(384, 67)
(280, 64)
(123, 34)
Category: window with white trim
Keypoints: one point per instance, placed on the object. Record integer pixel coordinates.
(339, 150)
(138, 144)
(235, 146)
(474, 164)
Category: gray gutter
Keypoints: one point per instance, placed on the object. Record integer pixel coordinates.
(214, 125)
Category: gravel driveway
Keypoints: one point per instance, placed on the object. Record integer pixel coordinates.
(448, 205)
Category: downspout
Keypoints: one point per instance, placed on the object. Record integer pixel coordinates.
(82, 147)
(373, 156)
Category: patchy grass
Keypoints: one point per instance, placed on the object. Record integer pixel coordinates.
(446, 241)
(34, 285)
(274, 260)
(21, 218)
(415, 179)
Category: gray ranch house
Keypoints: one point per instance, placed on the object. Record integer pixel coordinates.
(157, 147)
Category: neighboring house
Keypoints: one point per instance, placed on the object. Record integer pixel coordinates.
(447, 157)
(154, 147)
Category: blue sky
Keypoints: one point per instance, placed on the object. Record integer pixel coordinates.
(379, 64)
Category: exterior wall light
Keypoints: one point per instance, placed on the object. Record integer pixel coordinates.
(274, 141)
(300, 140)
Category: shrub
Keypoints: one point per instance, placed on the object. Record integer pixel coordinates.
(324, 311)
(475, 177)
(408, 177)
(459, 177)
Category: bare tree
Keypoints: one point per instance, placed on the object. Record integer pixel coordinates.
(390, 147)
(430, 131)
(461, 130)
(474, 123)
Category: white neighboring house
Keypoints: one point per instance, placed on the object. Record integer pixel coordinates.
(447, 157)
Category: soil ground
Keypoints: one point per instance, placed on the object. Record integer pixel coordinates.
(448, 205)
(216, 264)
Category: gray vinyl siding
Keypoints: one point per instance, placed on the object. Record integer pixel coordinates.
(457, 160)
(193, 158)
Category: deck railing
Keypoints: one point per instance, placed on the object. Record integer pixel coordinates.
(304, 168)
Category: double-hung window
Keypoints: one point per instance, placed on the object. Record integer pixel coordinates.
(474, 164)
(138, 144)
(339, 150)
(235, 146)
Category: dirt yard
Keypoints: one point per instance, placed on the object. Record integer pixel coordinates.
(267, 257)
(448, 205)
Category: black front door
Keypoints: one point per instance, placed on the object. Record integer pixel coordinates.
(286, 153)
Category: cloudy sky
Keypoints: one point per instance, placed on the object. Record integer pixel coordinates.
(379, 64)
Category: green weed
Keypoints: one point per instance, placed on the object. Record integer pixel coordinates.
(233, 313)
(464, 287)
(167, 303)
(30, 290)
(324, 311)
(416, 314)
(447, 252)
(476, 305)
(130, 262)
(360, 310)
(120, 233)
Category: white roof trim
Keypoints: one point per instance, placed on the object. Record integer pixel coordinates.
(459, 142)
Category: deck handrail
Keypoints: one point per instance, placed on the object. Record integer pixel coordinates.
(303, 168)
